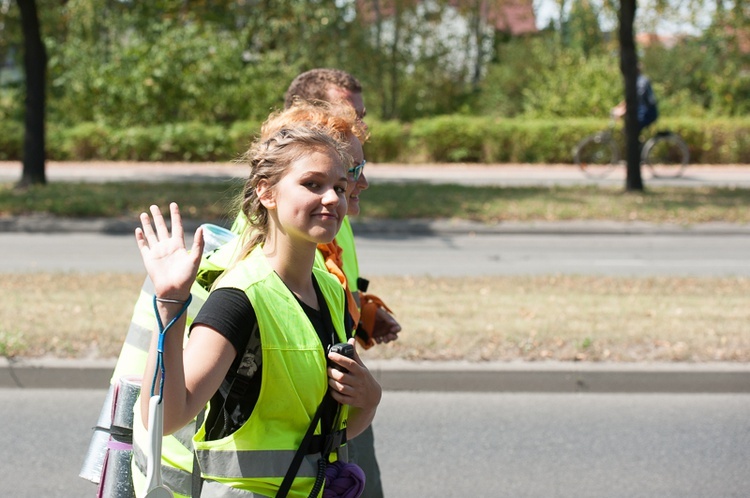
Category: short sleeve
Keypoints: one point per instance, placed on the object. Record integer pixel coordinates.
(229, 312)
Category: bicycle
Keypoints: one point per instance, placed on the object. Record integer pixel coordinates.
(665, 154)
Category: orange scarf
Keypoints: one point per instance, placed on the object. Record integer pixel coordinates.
(332, 255)
(364, 321)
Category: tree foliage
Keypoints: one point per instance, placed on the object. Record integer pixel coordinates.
(126, 63)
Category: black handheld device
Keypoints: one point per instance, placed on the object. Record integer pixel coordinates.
(344, 349)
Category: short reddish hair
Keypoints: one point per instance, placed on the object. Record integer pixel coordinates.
(315, 83)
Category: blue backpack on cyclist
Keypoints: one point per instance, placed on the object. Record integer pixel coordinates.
(648, 112)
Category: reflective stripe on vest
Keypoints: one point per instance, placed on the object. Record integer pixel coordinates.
(139, 337)
(180, 482)
(213, 489)
(177, 448)
(254, 463)
(132, 359)
(185, 435)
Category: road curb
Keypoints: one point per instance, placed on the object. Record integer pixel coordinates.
(411, 227)
(401, 375)
(559, 377)
(454, 227)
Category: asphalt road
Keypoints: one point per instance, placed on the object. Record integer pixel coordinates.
(453, 444)
(621, 254)
(448, 254)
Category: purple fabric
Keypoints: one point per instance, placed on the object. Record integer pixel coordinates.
(117, 445)
(344, 480)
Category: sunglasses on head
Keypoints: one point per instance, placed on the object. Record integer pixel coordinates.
(356, 171)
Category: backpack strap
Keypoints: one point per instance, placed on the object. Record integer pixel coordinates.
(291, 473)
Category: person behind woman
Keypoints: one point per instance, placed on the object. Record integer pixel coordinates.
(295, 199)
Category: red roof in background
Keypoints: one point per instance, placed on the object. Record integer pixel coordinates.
(742, 38)
(648, 39)
(510, 16)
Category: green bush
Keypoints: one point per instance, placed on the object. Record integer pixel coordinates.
(87, 141)
(11, 102)
(387, 141)
(449, 138)
(540, 141)
(498, 141)
(731, 90)
(725, 141)
(442, 139)
(241, 136)
(194, 142)
(11, 140)
(574, 87)
(137, 143)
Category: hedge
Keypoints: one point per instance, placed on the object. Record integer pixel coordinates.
(440, 139)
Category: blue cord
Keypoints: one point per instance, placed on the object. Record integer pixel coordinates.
(160, 345)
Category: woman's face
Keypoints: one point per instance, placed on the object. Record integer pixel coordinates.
(310, 201)
(355, 186)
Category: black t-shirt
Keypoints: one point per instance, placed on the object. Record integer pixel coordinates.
(229, 312)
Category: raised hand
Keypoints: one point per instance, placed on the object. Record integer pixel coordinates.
(169, 264)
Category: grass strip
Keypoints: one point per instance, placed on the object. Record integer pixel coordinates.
(215, 201)
(566, 318)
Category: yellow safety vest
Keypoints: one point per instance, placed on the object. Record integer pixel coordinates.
(345, 239)
(256, 457)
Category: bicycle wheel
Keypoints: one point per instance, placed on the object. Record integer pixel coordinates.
(666, 154)
(597, 155)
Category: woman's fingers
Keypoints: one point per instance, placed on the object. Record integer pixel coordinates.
(343, 393)
(174, 212)
(198, 243)
(357, 359)
(161, 226)
(354, 391)
(148, 231)
(159, 231)
(348, 387)
(140, 239)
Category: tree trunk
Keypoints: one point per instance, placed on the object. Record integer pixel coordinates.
(629, 69)
(394, 66)
(479, 12)
(35, 66)
(379, 60)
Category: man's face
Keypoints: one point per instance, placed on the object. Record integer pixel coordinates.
(336, 94)
(355, 187)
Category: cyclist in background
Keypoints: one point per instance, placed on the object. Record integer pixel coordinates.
(648, 111)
